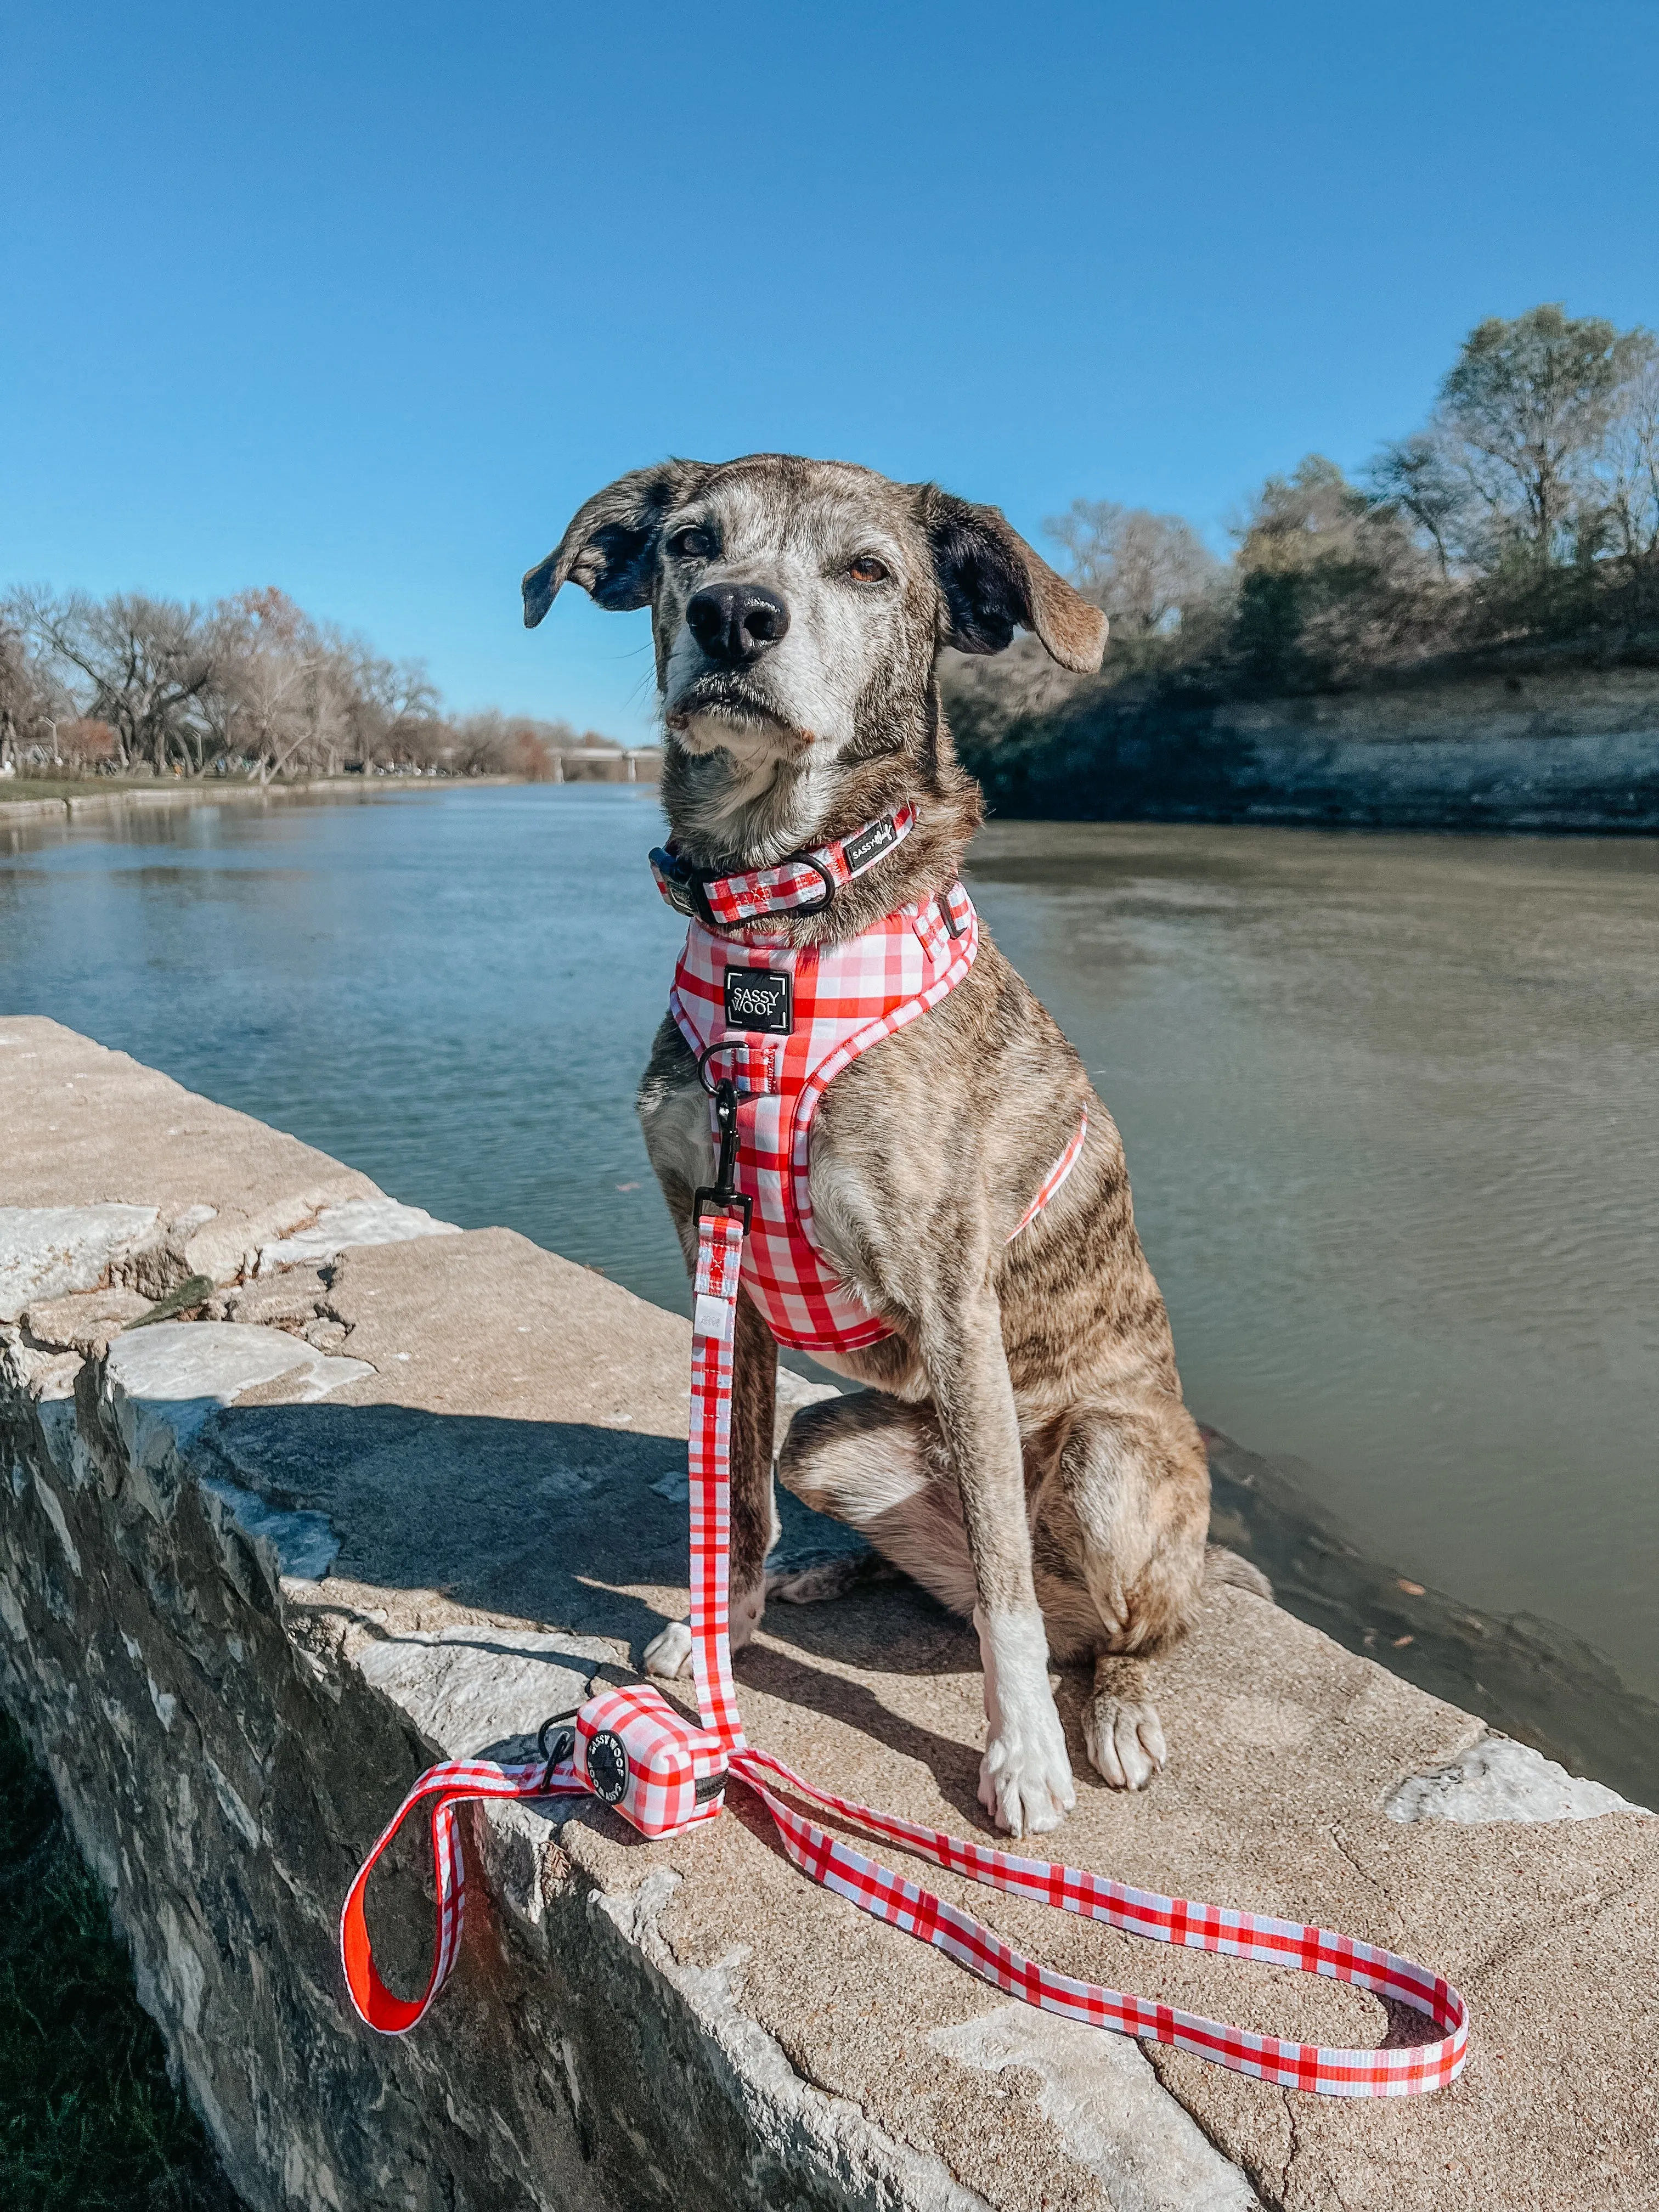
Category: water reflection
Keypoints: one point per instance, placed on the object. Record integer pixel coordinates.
(1388, 1100)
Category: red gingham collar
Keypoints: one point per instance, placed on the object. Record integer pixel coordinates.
(806, 882)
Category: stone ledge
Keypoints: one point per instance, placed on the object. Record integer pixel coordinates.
(249, 1586)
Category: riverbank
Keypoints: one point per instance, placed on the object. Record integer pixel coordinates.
(1543, 748)
(39, 799)
(398, 1498)
(100, 798)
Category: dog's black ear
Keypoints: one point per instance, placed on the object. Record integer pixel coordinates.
(610, 547)
(993, 583)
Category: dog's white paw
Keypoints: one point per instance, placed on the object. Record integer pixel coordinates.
(1025, 1777)
(668, 1655)
(1125, 1739)
(1025, 1780)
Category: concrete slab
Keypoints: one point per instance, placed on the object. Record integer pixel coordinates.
(87, 1127)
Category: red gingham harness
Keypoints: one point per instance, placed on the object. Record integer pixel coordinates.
(634, 1750)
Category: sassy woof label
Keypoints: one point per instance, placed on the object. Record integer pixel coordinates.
(755, 999)
(607, 1766)
(859, 851)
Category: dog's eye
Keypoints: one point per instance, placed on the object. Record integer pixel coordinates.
(692, 544)
(867, 569)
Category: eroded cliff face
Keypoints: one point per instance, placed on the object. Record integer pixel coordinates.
(1550, 750)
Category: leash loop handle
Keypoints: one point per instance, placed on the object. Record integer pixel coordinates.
(441, 1789)
(1386, 2071)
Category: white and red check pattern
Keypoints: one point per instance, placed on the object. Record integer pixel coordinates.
(441, 1789)
(904, 1905)
(715, 1310)
(798, 882)
(667, 1757)
(1051, 1183)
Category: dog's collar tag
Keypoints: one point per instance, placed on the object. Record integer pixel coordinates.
(760, 1000)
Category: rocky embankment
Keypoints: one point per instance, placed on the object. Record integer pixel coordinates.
(379, 1491)
(1554, 750)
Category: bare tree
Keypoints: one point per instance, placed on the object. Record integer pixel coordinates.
(1145, 571)
(140, 664)
(1331, 583)
(1420, 478)
(28, 709)
(1626, 471)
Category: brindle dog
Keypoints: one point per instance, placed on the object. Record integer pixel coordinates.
(1023, 1450)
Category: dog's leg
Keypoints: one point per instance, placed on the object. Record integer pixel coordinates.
(1120, 1725)
(1138, 1483)
(939, 1490)
(1025, 1777)
(879, 1465)
(754, 1387)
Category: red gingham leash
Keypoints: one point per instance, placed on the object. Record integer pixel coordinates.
(875, 1889)
(833, 1863)
(681, 1770)
(441, 1789)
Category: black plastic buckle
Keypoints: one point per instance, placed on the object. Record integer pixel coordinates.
(687, 891)
(725, 1201)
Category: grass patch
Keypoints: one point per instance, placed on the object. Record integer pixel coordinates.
(89, 2121)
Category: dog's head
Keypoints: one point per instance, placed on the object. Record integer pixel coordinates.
(799, 607)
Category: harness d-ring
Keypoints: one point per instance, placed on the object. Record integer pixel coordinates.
(724, 1044)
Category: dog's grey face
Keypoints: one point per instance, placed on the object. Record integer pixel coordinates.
(799, 607)
(793, 606)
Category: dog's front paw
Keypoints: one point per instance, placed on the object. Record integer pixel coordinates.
(668, 1654)
(1125, 1739)
(1026, 1779)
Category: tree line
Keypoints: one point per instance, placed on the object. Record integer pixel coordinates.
(1522, 516)
(251, 685)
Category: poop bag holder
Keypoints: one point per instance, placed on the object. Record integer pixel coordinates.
(639, 1754)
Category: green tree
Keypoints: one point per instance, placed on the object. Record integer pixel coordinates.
(1329, 581)
(1523, 418)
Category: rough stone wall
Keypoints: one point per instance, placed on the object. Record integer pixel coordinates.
(225, 1741)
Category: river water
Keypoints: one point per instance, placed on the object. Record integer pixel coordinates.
(1390, 1104)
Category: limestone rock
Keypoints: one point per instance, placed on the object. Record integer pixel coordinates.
(47, 1250)
(1499, 1779)
(85, 1321)
(358, 1221)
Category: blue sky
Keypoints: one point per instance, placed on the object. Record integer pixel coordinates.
(364, 301)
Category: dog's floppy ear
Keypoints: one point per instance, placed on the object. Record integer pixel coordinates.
(610, 546)
(993, 583)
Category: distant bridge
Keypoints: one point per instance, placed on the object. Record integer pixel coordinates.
(625, 759)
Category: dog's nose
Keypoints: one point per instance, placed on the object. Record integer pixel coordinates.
(735, 622)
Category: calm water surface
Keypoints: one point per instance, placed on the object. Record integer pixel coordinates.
(1390, 1104)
